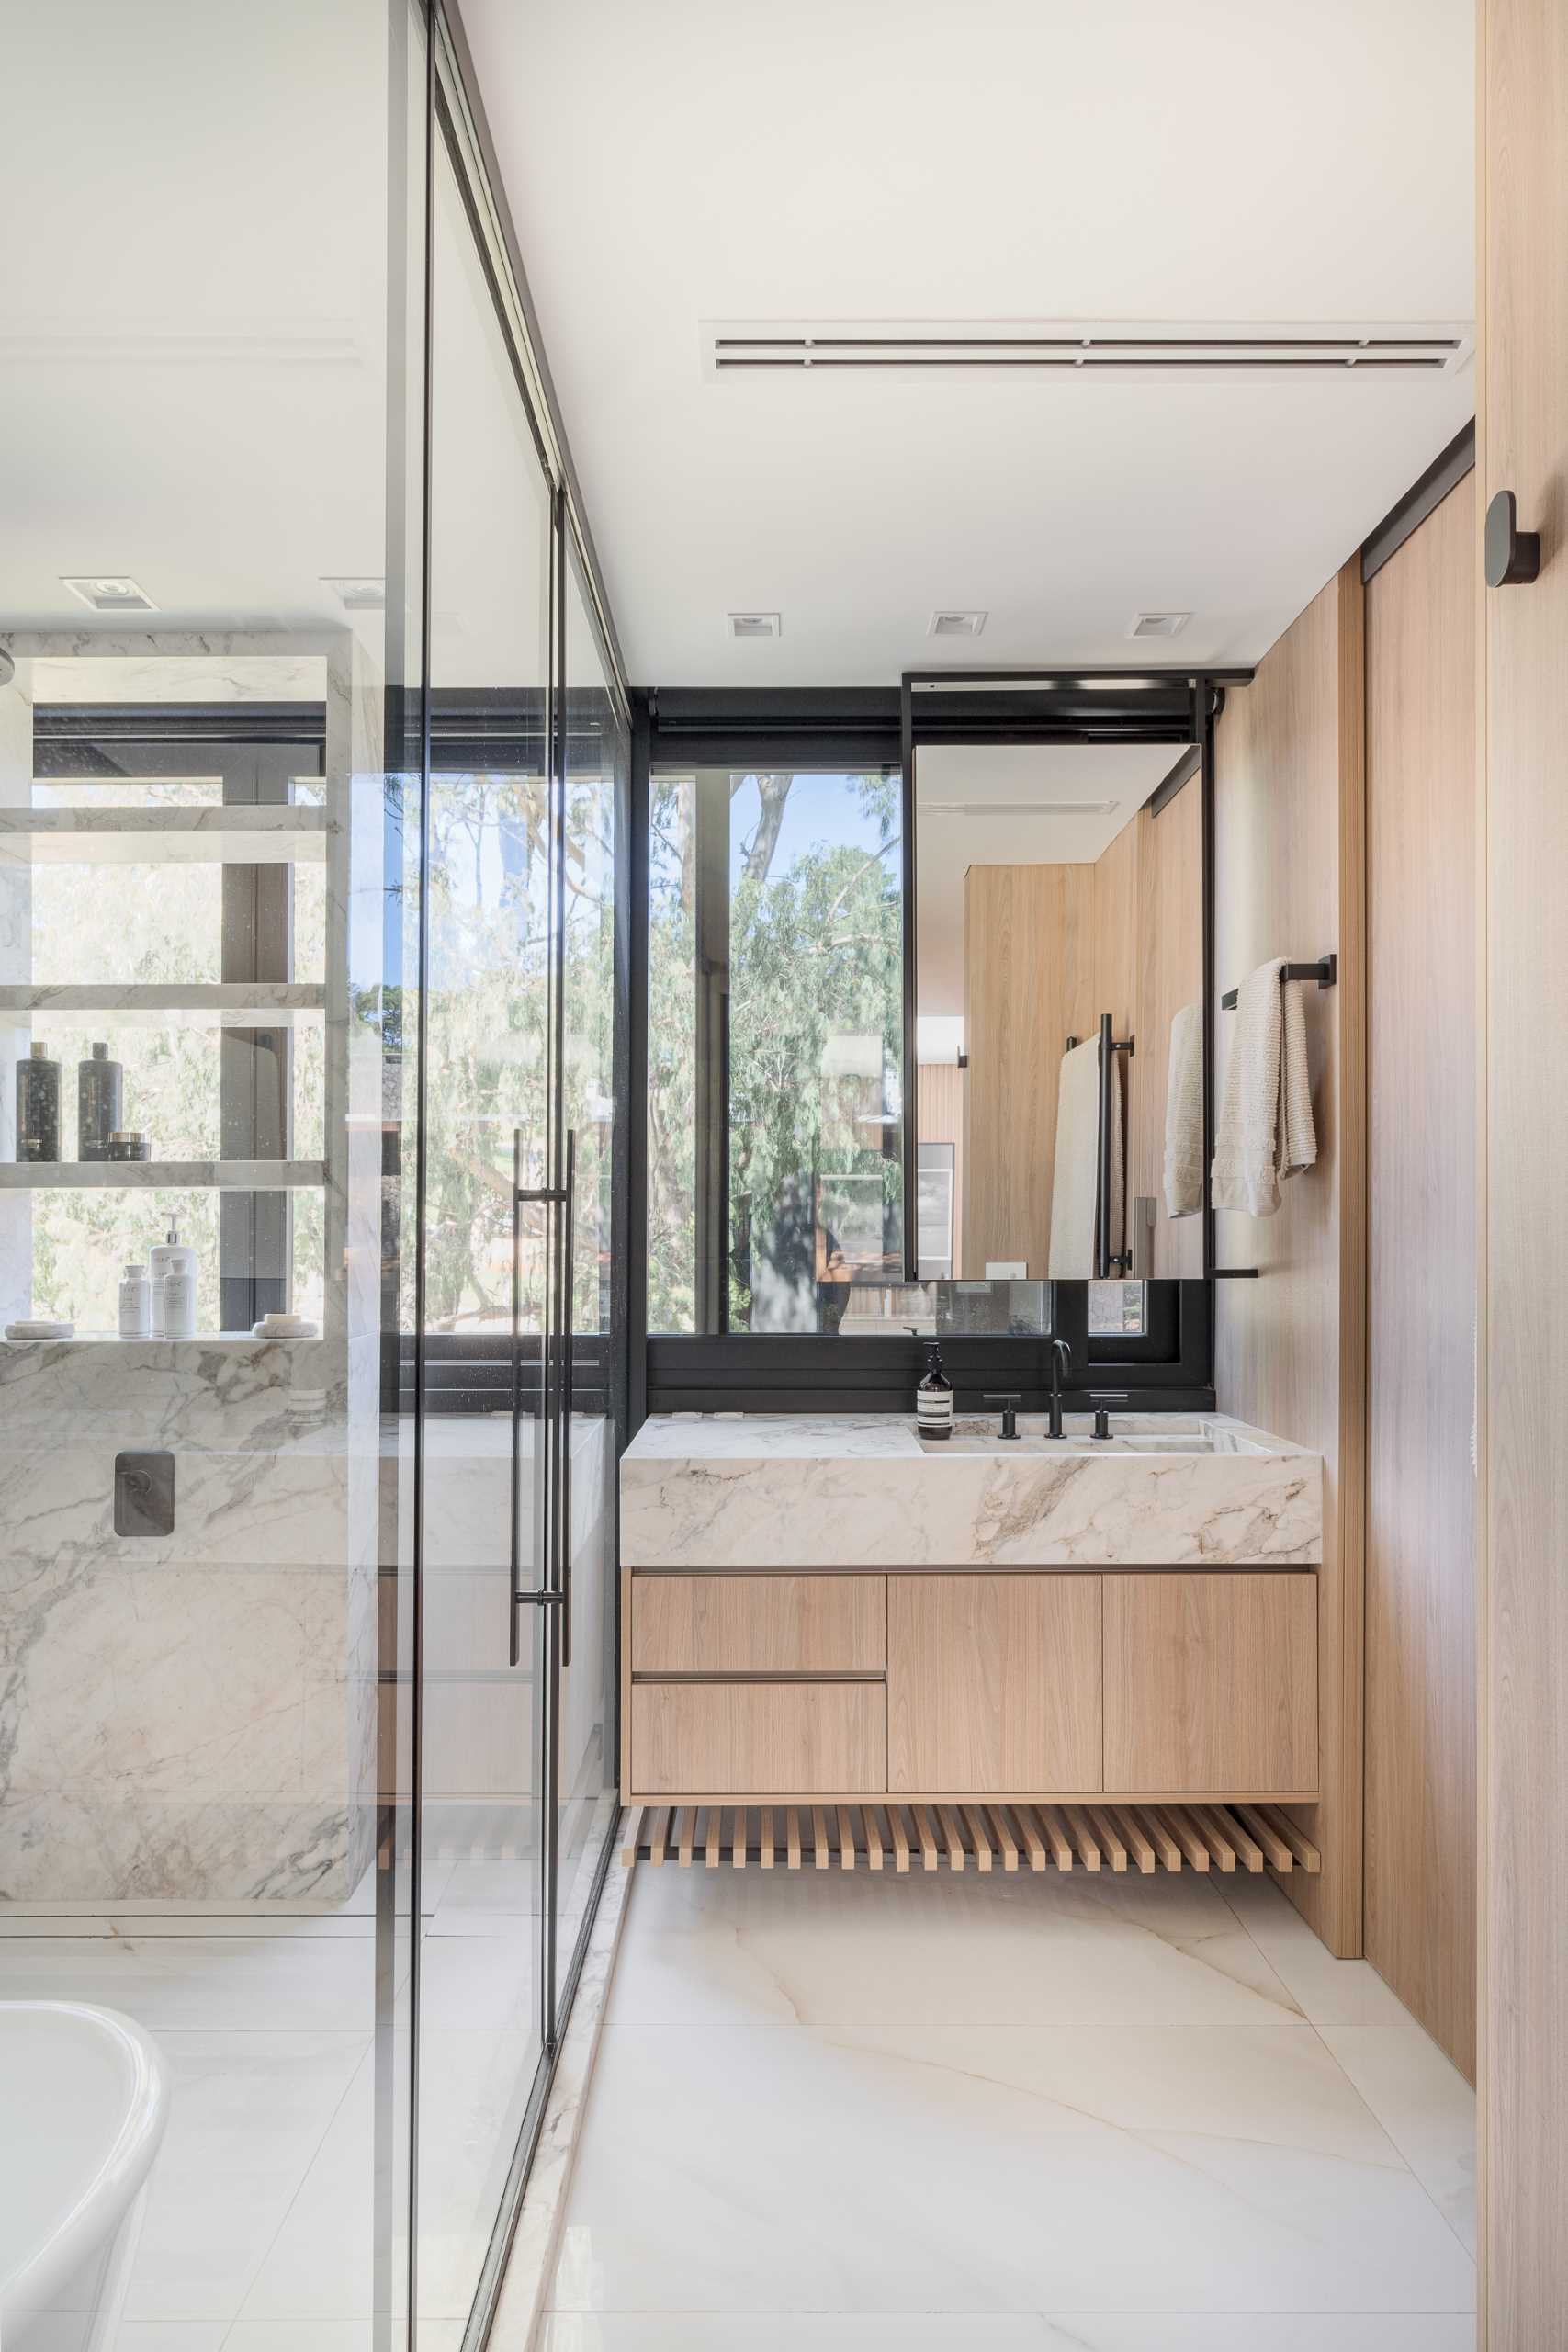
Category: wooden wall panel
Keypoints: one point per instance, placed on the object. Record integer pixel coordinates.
(1290, 1348)
(1028, 985)
(1421, 806)
(1523, 726)
(1169, 918)
(1114, 898)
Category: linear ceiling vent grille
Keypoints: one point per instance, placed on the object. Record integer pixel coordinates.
(740, 347)
(1020, 808)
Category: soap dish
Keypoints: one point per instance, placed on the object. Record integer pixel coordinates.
(283, 1327)
(39, 1328)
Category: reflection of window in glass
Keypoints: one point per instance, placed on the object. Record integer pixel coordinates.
(935, 1210)
(1117, 1311)
(671, 1054)
(776, 1047)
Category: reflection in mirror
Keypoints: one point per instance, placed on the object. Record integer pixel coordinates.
(1059, 961)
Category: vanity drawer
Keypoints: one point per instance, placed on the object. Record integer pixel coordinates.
(784, 1739)
(765, 1625)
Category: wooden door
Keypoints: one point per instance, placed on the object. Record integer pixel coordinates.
(1421, 804)
(1523, 447)
(993, 1684)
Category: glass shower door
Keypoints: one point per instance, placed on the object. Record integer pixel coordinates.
(488, 1248)
(594, 755)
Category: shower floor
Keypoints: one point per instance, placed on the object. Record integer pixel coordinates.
(260, 2226)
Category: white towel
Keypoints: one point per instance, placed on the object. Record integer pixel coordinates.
(1075, 1186)
(1184, 1115)
(1265, 1129)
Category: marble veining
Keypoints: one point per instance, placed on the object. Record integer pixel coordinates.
(863, 1492)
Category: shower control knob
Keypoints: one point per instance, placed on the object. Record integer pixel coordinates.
(1512, 556)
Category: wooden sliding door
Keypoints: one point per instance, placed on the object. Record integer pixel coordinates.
(1421, 1038)
(1523, 62)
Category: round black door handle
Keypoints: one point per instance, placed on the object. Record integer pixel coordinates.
(1512, 555)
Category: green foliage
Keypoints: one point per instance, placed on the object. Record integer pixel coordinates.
(816, 1024)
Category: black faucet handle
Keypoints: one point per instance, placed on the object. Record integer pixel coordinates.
(1009, 1400)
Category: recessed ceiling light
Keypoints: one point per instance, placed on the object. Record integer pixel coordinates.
(1159, 624)
(103, 593)
(952, 623)
(748, 625)
(358, 592)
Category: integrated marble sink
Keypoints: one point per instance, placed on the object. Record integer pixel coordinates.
(1130, 1436)
(862, 1490)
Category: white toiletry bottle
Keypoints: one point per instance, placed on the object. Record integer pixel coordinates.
(179, 1300)
(170, 1257)
(135, 1302)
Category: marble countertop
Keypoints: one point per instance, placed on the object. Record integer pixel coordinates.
(862, 1490)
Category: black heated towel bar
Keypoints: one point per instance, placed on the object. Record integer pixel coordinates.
(1326, 972)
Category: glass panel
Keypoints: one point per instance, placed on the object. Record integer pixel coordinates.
(488, 1012)
(777, 918)
(598, 754)
(208, 1754)
(671, 1054)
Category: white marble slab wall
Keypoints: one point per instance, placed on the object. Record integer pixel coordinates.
(186, 1719)
(15, 970)
(478, 1722)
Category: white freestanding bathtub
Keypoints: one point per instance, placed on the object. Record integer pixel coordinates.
(83, 2098)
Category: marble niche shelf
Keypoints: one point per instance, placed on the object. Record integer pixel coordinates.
(161, 1175)
(243, 1005)
(216, 831)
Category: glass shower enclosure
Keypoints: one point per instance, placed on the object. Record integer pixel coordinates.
(314, 817)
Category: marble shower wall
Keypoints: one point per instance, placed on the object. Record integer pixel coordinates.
(190, 1719)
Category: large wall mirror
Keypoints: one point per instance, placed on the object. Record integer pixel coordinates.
(1058, 984)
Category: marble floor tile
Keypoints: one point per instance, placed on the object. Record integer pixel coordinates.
(68, 2332)
(759, 1946)
(476, 1896)
(305, 2335)
(1329, 1991)
(247, 2112)
(259, 1983)
(473, 1980)
(474, 2087)
(975, 2332)
(992, 2169)
(791, 2332)
(1424, 2104)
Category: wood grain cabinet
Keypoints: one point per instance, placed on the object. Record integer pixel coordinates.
(993, 1683)
(1211, 1682)
(785, 1739)
(763, 1624)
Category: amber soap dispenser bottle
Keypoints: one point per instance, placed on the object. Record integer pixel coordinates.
(933, 1398)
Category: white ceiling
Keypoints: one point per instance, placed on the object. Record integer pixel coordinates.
(193, 315)
(1015, 159)
(987, 804)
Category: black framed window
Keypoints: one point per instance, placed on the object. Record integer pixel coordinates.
(775, 1073)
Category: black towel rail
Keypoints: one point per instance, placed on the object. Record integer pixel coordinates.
(1326, 972)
